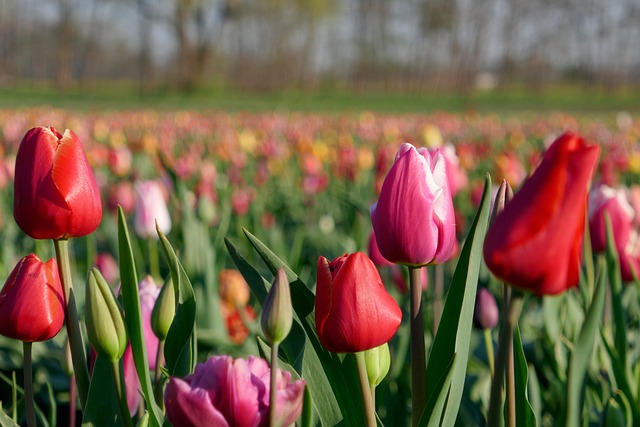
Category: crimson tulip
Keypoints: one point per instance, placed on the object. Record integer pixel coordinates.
(353, 312)
(535, 243)
(413, 219)
(55, 191)
(32, 301)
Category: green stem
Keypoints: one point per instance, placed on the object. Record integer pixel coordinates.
(157, 383)
(365, 388)
(505, 346)
(28, 385)
(488, 343)
(14, 398)
(154, 261)
(272, 389)
(418, 356)
(438, 291)
(118, 378)
(72, 322)
(373, 395)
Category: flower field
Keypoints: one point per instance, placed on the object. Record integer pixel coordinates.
(200, 210)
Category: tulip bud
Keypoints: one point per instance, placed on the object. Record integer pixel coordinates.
(32, 301)
(486, 314)
(105, 324)
(378, 361)
(277, 316)
(163, 311)
(503, 196)
(55, 192)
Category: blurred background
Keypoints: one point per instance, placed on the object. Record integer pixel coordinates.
(183, 46)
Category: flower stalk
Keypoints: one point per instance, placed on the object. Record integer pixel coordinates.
(72, 322)
(418, 355)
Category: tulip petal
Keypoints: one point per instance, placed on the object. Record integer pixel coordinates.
(74, 179)
(191, 407)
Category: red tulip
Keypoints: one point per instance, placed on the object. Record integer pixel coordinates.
(354, 312)
(55, 192)
(32, 301)
(536, 242)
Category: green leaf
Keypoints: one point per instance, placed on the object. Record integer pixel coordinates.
(454, 332)
(133, 318)
(102, 407)
(437, 400)
(583, 352)
(618, 411)
(6, 420)
(180, 345)
(306, 418)
(524, 413)
(331, 378)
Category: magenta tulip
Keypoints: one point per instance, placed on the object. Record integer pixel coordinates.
(227, 392)
(413, 219)
(55, 192)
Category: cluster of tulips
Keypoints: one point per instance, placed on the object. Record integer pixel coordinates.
(137, 356)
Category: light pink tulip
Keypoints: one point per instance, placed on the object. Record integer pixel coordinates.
(149, 292)
(604, 199)
(413, 220)
(456, 175)
(151, 207)
(227, 392)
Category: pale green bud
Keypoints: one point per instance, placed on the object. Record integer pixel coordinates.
(277, 312)
(378, 361)
(163, 310)
(105, 324)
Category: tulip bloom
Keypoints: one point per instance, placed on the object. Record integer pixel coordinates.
(353, 312)
(615, 203)
(55, 191)
(413, 219)
(486, 314)
(32, 301)
(227, 392)
(535, 243)
(150, 207)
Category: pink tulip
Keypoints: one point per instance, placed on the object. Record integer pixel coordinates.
(151, 207)
(413, 220)
(374, 253)
(486, 314)
(227, 392)
(149, 292)
(604, 199)
(456, 175)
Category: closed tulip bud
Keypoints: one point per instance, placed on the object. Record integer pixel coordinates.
(535, 244)
(413, 219)
(55, 192)
(105, 324)
(353, 310)
(378, 361)
(32, 301)
(486, 314)
(503, 196)
(277, 312)
(163, 311)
